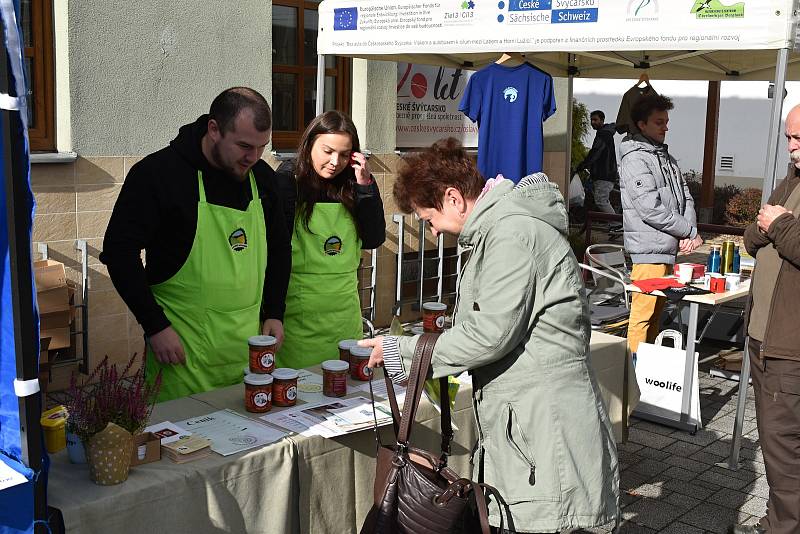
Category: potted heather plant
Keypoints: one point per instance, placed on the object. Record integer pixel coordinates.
(105, 412)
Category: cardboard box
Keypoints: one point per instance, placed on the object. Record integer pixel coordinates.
(613, 369)
(53, 300)
(52, 288)
(58, 319)
(49, 274)
(59, 337)
(729, 362)
(146, 448)
(60, 376)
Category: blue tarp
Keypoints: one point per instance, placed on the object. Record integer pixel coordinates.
(16, 503)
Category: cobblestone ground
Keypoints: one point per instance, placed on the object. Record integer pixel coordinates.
(670, 480)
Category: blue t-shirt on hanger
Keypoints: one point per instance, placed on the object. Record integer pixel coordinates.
(509, 104)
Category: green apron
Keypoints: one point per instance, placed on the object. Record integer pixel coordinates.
(214, 300)
(322, 303)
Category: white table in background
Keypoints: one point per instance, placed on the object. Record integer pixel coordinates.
(694, 302)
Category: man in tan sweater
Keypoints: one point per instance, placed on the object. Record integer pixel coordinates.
(774, 343)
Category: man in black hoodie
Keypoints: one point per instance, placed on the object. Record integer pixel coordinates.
(207, 213)
(601, 162)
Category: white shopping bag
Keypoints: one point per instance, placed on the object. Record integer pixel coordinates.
(576, 193)
(659, 372)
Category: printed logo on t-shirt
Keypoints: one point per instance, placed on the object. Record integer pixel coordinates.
(510, 93)
(333, 245)
(238, 239)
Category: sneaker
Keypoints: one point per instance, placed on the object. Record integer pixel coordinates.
(746, 529)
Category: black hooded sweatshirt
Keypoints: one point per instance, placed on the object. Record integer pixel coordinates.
(156, 211)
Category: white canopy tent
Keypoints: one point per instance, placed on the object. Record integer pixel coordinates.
(669, 39)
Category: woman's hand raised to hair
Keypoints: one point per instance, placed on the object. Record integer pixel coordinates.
(359, 163)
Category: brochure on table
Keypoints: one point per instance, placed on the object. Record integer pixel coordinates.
(332, 418)
(230, 432)
(379, 390)
(309, 387)
(168, 431)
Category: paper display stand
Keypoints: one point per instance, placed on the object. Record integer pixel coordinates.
(660, 373)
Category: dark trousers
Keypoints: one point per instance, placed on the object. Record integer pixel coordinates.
(777, 390)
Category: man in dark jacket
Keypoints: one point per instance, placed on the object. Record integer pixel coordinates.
(601, 162)
(218, 254)
(774, 343)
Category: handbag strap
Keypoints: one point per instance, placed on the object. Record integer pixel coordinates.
(392, 403)
(483, 508)
(419, 372)
(446, 422)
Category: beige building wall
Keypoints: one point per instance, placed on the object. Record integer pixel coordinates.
(138, 70)
(128, 74)
(74, 201)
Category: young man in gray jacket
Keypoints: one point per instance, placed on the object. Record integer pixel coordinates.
(657, 211)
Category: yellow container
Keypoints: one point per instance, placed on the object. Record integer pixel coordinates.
(54, 423)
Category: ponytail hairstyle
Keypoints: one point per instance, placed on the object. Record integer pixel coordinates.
(310, 187)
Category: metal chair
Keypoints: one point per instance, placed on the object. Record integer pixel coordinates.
(609, 302)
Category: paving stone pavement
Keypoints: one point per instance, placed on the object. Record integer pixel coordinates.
(669, 481)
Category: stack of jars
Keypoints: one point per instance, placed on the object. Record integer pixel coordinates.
(264, 385)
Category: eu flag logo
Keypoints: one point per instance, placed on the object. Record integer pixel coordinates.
(345, 18)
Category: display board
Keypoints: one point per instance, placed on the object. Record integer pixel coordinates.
(427, 106)
(675, 39)
(378, 26)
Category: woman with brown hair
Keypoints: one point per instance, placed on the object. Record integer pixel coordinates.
(337, 212)
(521, 329)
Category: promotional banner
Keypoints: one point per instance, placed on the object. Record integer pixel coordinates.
(474, 26)
(427, 106)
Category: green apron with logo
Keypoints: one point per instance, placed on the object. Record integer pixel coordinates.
(322, 303)
(214, 300)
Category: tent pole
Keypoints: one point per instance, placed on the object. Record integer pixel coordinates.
(773, 134)
(706, 211)
(26, 336)
(568, 156)
(320, 84)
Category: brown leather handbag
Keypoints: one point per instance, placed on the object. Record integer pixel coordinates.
(415, 491)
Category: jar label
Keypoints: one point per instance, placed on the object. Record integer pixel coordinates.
(361, 371)
(335, 384)
(261, 399)
(432, 321)
(262, 359)
(291, 393)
